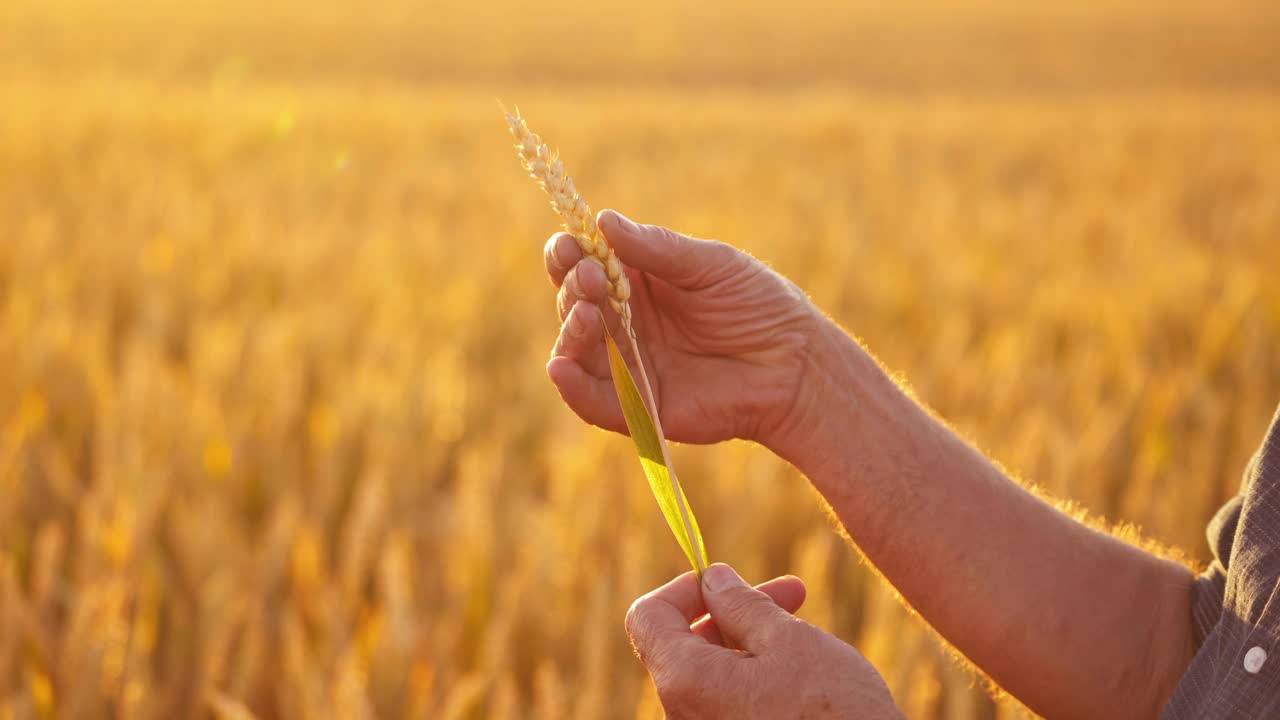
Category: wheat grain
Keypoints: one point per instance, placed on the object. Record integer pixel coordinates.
(577, 219)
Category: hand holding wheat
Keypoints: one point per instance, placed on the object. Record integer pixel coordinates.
(636, 400)
(725, 335)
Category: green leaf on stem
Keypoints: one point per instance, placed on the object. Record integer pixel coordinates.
(646, 433)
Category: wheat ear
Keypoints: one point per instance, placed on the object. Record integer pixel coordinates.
(575, 214)
(576, 217)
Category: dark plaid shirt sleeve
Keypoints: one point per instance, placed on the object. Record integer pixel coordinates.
(1235, 612)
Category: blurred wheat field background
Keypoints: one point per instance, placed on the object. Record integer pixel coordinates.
(275, 435)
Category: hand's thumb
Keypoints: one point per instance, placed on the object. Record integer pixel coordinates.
(678, 259)
(746, 616)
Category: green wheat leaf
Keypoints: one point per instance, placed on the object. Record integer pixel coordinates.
(651, 446)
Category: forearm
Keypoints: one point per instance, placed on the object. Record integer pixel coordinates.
(1072, 621)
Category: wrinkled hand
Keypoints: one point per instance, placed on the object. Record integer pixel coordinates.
(784, 667)
(723, 337)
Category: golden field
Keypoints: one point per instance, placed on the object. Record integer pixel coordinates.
(275, 435)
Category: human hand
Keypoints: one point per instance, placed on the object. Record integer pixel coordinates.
(723, 337)
(784, 667)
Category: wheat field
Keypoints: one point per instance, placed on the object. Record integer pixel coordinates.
(275, 436)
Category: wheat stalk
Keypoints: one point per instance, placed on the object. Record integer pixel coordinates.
(547, 170)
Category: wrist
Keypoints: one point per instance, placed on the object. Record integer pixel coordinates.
(832, 368)
(850, 425)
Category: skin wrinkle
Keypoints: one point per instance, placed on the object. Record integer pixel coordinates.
(644, 282)
(781, 652)
(747, 415)
(982, 558)
(759, 321)
(769, 388)
(778, 342)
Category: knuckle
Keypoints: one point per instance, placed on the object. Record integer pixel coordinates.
(562, 304)
(675, 685)
(670, 235)
(681, 244)
(573, 282)
(746, 607)
(590, 276)
(634, 621)
(709, 260)
(740, 602)
(723, 254)
(673, 698)
(719, 248)
(774, 632)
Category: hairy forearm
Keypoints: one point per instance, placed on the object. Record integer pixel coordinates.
(1072, 621)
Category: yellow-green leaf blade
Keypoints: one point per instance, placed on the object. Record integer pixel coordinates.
(650, 445)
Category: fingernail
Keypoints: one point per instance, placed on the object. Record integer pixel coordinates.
(626, 223)
(555, 258)
(721, 577)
